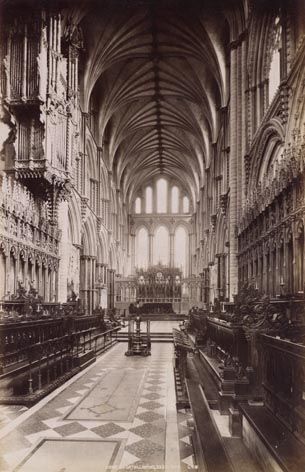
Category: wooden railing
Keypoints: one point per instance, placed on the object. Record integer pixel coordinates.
(45, 362)
(283, 378)
(229, 339)
(16, 338)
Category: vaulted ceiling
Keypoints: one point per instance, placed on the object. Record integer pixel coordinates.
(157, 72)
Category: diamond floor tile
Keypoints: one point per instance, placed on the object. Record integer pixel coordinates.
(146, 430)
(149, 416)
(143, 438)
(153, 396)
(69, 428)
(151, 405)
(153, 388)
(145, 449)
(108, 429)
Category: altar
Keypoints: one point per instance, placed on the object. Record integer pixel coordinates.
(152, 308)
(158, 290)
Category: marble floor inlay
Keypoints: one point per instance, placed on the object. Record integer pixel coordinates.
(107, 400)
(119, 414)
(52, 455)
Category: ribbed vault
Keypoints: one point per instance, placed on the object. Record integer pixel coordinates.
(157, 73)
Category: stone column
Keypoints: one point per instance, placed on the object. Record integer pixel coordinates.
(24, 64)
(150, 248)
(243, 117)
(94, 290)
(189, 257)
(99, 184)
(295, 261)
(91, 287)
(51, 284)
(303, 266)
(40, 288)
(105, 274)
(17, 261)
(25, 274)
(277, 270)
(258, 268)
(249, 257)
(56, 283)
(133, 255)
(284, 280)
(233, 217)
(84, 123)
(265, 271)
(171, 249)
(89, 283)
(46, 284)
(83, 281)
(33, 271)
(7, 263)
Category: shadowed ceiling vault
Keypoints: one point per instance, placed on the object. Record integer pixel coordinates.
(157, 73)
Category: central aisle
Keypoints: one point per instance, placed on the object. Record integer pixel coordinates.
(119, 414)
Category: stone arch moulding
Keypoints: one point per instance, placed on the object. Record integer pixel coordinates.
(260, 41)
(89, 238)
(101, 248)
(185, 224)
(74, 217)
(142, 224)
(272, 132)
(161, 223)
(221, 232)
(297, 107)
(91, 164)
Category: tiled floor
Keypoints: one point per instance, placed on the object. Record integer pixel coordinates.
(9, 413)
(185, 445)
(121, 408)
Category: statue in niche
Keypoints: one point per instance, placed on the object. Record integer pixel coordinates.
(71, 294)
(21, 291)
(74, 35)
(33, 292)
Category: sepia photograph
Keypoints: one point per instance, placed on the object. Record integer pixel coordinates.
(152, 235)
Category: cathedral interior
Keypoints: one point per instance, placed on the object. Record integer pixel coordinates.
(152, 246)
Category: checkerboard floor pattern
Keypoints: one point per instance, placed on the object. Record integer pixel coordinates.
(145, 436)
(185, 445)
(10, 412)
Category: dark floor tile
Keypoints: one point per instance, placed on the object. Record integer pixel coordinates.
(108, 429)
(153, 396)
(70, 428)
(147, 450)
(146, 430)
(149, 416)
(151, 405)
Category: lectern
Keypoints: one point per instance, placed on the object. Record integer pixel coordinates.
(138, 341)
